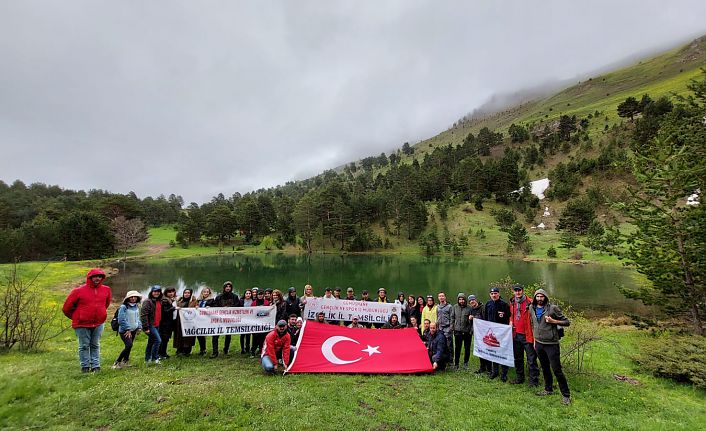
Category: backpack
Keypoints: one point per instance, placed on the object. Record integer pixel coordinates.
(114, 325)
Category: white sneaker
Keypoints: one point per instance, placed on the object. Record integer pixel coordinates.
(157, 361)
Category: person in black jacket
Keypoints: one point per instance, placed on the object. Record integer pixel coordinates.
(226, 299)
(478, 312)
(438, 348)
(166, 326)
(497, 310)
(292, 301)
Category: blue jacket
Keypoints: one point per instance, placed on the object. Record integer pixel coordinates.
(129, 318)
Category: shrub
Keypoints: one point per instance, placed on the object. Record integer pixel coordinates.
(675, 357)
(551, 252)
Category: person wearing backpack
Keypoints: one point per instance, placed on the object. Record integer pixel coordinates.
(547, 327)
(129, 325)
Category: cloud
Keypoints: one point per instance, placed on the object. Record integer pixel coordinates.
(208, 97)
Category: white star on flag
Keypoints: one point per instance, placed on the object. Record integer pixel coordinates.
(370, 350)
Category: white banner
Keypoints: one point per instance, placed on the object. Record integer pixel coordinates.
(493, 341)
(342, 309)
(226, 320)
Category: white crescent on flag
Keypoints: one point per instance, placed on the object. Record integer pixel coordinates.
(327, 350)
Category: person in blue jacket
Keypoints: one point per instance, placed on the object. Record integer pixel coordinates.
(129, 325)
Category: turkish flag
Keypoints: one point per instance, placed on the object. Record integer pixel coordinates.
(326, 348)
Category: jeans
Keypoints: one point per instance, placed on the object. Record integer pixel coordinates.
(462, 339)
(153, 343)
(267, 364)
(550, 359)
(520, 346)
(89, 346)
(128, 342)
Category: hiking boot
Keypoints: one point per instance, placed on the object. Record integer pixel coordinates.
(565, 400)
(85, 369)
(214, 355)
(544, 393)
(516, 382)
(96, 370)
(202, 353)
(225, 352)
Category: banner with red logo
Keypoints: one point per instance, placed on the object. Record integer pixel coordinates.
(324, 348)
(493, 341)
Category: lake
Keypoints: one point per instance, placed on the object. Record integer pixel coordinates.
(591, 288)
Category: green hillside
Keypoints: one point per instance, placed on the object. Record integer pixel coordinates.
(665, 74)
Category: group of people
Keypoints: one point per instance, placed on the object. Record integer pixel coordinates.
(446, 329)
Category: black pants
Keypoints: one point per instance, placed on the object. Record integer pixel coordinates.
(448, 334)
(520, 346)
(550, 359)
(127, 341)
(165, 333)
(226, 343)
(257, 340)
(498, 369)
(462, 339)
(202, 343)
(244, 343)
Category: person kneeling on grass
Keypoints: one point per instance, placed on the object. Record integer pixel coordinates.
(276, 347)
(438, 349)
(129, 325)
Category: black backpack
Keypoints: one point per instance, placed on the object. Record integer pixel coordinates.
(114, 325)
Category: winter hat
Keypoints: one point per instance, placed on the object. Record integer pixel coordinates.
(282, 323)
(155, 288)
(472, 297)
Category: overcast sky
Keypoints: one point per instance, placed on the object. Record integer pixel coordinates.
(201, 97)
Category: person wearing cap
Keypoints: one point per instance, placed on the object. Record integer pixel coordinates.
(429, 310)
(522, 338)
(355, 323)
(382, 295)
(497, 310)
(169, 315)
(350, 296)
(276, 346)
(461, 328)
(87, 307)
(151, 316)
(443, 318)
(337, 293)
(546, 319)
(129, 325)
(292, 302)
(437, 348)
(478, 312)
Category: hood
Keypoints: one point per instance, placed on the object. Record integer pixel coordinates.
(541, 291)
(92, 273)
(154, 288)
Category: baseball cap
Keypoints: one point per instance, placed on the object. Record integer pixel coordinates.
(281, 323)
(350, 289)
(517, 287)
(494, 290)
(472, 297)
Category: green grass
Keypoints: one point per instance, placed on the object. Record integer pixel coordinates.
(45, 390)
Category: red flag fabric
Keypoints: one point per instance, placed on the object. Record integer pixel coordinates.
(326, 348)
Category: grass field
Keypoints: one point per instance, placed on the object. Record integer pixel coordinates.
(45, 390)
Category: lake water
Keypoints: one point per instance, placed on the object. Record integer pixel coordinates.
(592, 288)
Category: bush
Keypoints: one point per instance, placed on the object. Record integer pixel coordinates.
(684, 360)
(504, 218)
(551, 252)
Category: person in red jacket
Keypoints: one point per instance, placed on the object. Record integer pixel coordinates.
(87, 306)
(276, 346)
(522, 337)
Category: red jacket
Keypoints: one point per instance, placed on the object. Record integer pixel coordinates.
(274, 343)
(525, 316)
(86, 305)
